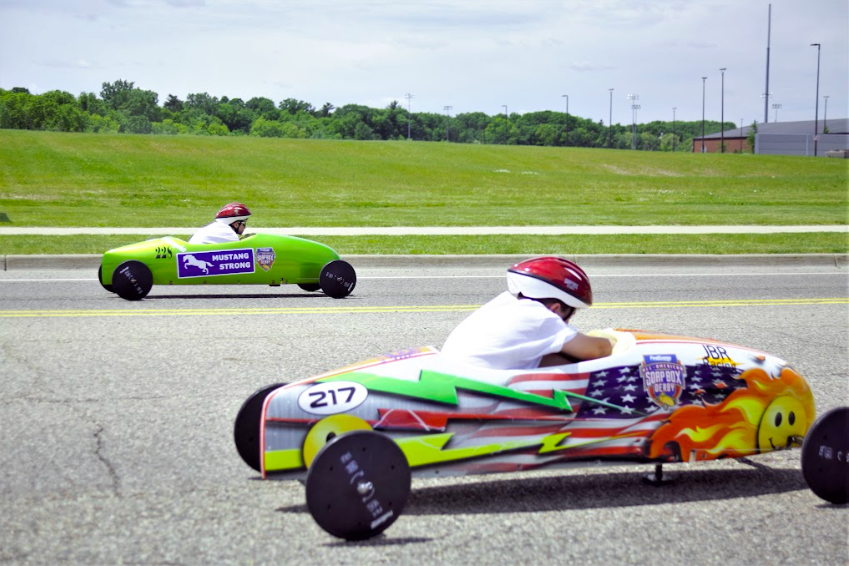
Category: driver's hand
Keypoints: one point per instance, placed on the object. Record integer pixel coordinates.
(243, 236)
(621, 341)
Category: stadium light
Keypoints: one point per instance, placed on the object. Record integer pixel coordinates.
(674, 108)
(634, 107)
(825, 116)
(566, 135)
(610, 122)
(817, 111)
(409, 96)
(722, 115)
(703, 113)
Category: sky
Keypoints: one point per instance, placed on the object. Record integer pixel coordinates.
(471, 55)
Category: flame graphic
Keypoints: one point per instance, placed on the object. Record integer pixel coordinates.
(730, 428)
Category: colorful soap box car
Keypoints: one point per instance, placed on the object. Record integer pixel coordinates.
(260, 259)
(356, 435)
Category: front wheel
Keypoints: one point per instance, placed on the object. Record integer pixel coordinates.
(358, 485)
(132, 280)
(337, 279)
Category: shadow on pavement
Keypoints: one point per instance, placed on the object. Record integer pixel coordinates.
(600, 491)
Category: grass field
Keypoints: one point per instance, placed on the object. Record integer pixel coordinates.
(58, 179)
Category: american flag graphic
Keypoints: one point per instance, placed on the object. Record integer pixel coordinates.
(613, 417)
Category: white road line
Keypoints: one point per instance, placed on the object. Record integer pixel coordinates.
(596, 276)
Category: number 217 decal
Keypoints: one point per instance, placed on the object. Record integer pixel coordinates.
(332, 398)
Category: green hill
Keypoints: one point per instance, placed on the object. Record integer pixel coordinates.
(70, 179)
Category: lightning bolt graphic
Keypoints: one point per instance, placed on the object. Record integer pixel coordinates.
(442, 388)
(430, 449)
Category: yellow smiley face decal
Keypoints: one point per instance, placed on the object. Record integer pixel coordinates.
(784, 417)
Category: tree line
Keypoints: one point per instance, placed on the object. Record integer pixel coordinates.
(124, 108)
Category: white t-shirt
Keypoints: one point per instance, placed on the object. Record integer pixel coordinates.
(214, 233)
(508, 333)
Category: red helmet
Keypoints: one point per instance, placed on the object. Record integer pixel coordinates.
(551, 277)
(233, 212)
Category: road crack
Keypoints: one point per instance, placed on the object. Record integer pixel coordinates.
(113, 474)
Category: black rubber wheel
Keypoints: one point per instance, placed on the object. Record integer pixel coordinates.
(309, 286)
(358, 485)
(337, 279)
(100, 278)
(246, 431)
(132, 280)
(825, 456)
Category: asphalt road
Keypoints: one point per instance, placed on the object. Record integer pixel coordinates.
(117, 424)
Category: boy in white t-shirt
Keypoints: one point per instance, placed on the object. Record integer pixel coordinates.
(527, 326)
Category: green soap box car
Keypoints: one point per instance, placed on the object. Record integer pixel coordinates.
(259, 259)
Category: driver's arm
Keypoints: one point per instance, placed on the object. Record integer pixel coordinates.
(583, 347)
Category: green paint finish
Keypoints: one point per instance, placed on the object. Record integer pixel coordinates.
(424, 450)
(280, 460)
(296, 260)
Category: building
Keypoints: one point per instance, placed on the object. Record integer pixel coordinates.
(781, 138)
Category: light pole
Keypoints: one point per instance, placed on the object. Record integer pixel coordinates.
(674, 108)
(817, 111)
(634, 107)
(776, 107)
(566, 135)
(825, 116)
(768, 37)
(409, 96)
(447, 110)
(506, 115)
(610, 122)
(722, 115)
(703, 113)
(766, 96)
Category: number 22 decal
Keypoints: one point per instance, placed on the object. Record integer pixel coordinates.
(164, 252)
(332, 398)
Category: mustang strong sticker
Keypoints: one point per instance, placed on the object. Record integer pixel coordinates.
(207, 264)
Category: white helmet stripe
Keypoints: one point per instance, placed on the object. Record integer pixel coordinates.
(534, 288)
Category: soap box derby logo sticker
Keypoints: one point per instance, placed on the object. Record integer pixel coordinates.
(265, 258)
(209, 264)
(663, 378)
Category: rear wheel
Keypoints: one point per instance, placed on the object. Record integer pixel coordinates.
(337, 279)
(309, 286)
(132, 280)
(100, 278)
(825, 456)
(246, 430)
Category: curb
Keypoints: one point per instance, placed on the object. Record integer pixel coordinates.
(92, 261)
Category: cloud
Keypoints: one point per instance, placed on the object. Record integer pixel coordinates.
(475, 55)
(586, 66)
(68, 64)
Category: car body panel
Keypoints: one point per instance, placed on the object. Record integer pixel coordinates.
(257, 259)
(668, 398)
